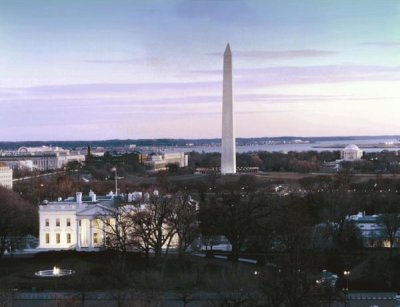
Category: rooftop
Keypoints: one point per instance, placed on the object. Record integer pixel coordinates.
(352, 147)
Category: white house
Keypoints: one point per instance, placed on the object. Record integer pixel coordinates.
(73, 223)
(82, 223)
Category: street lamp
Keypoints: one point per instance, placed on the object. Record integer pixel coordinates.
(346, 276)
(40, 192)
(346, 290)
(114, 169)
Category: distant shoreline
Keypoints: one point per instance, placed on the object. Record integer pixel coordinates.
(361, 146)
(273, 144)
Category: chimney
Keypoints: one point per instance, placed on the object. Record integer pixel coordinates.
(79, 197)
(92, 195)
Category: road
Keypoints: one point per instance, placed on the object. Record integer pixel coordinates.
(101, 298)
(38, 176)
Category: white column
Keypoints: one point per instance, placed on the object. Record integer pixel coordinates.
(78, 239)
(91, 234)
(104, 233)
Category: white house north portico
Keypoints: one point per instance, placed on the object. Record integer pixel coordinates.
(73, 223)
(92, 222)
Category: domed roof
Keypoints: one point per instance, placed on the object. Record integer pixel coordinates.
(351, 147)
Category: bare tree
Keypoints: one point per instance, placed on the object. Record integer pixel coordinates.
(391, 225)
(337, 205)
(17, 218)
(65, 186)
(237, 216)
(117, 227)
(185, 221)
(142, 232)
(153, 225)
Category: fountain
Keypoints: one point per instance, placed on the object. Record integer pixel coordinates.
(55, 272)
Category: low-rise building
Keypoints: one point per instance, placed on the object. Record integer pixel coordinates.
(131, 158)
(373, 230)
(20, 164)
(239, 169)
(41, 158)
(6, 176)
(161, 161)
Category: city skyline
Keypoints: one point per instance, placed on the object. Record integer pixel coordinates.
(152, 69)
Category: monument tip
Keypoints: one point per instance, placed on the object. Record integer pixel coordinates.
(228, 48)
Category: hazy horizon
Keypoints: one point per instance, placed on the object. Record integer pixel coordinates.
(153, 69)
(211, 138)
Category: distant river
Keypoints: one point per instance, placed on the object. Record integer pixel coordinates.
(332, 144)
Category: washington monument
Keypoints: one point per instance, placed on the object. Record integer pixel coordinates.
(228, 157)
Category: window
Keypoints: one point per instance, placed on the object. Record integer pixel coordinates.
(57, 222)
(68, 238)
(68, 222)
(47, 223)
(95, 238)
(58, 238)
(47, 238)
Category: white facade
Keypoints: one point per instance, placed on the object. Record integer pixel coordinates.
(73, 223)
(6, 176)
(42, 158)
(77, 222)
(228, 155)
(351, 153)
(21, 164)
(41, 150)
(161, 161)
(63, 159)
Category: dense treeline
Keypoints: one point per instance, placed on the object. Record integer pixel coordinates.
(293, 161)
(376, 162)
(303, 162)
(17, 218)
(309, 230)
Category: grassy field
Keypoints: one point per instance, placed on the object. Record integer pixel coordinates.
(101, 271)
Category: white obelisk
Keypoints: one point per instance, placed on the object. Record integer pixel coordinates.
(228, 156)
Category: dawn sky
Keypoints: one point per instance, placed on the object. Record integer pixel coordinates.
(97, 69)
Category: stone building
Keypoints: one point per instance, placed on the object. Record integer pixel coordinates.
(6, 176)
(351, 153)
(41, 158)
